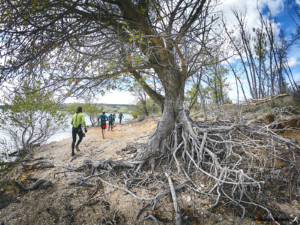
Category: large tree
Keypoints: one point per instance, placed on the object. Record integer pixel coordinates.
(104, 44)
(109, 44)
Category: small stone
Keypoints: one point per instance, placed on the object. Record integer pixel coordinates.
(202, 185)
(292, 215)
(119, 130)
(261, 169)
(188, 198)
(294, 202)
(131, 156)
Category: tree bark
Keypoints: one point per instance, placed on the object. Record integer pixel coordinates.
(173, 113)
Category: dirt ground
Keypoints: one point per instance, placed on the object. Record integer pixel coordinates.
(62, 203)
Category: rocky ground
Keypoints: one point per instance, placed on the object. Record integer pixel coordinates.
(62, 203)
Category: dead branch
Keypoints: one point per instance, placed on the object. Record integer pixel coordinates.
(41, 183)
(175, 202)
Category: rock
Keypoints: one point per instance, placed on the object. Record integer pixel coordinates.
(119, 130)
(268, 193)
(121, 159)
(188, 199)
(118, 152)
(294, 202)
(202, 185)
(131, 156)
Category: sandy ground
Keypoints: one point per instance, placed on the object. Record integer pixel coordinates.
(51, 206)
(65, 204)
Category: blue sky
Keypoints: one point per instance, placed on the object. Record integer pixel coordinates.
(282, 19)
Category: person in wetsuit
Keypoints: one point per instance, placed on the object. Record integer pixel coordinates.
(78, 122)
(121, 117)
(110, 121)
(103, 118)
(114, 115)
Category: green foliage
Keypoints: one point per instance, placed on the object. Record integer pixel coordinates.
(30, 118)
(93, 110)
(139, 108)
(190, 95)
(110, 108)
(227, 101)
(201, 115)
(218, 87)
(135, 113)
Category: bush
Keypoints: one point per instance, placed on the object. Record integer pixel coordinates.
(135, 114)
(93, 110)
(201, 115)
(30, 119)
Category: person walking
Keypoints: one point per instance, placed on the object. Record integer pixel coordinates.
(114, 115)
(78, 122)
(110, 122)
(103, 118)
(121, 117)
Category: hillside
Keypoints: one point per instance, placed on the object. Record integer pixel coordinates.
(68, 198)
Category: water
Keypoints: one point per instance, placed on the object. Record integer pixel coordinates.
(66, 133)
(63, 134)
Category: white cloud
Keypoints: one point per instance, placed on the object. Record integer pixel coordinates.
(114, 97)
(293, 61)
(275, 6)
(117, 97)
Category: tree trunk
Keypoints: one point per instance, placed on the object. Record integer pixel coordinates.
(145, 108)
(153, 109)
(173, 114)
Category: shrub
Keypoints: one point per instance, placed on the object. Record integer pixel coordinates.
(30, 119)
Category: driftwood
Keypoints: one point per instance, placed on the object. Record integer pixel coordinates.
(258, 102)
(233, 163)
(178, 220)
(41, 183)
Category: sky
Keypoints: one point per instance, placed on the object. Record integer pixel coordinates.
(282, 20)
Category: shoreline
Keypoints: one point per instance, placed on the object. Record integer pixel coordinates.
(15, 202)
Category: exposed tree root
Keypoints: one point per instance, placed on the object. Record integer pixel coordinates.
(41, 183)
(232, 163)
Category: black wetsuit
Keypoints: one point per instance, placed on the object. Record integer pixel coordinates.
(77, 130)
(103, 119)
(110, 121)
(120, 117)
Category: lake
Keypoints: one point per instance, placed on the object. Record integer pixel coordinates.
(65, 133)
(62, 134)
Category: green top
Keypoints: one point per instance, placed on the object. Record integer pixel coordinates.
(77, 119)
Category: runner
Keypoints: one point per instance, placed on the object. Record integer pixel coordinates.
(110, 121)
(114, 115)
(103, 119)
(121, 117)
(78, 122)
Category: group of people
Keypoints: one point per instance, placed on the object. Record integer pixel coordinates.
(78, 122)
(111, 121)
